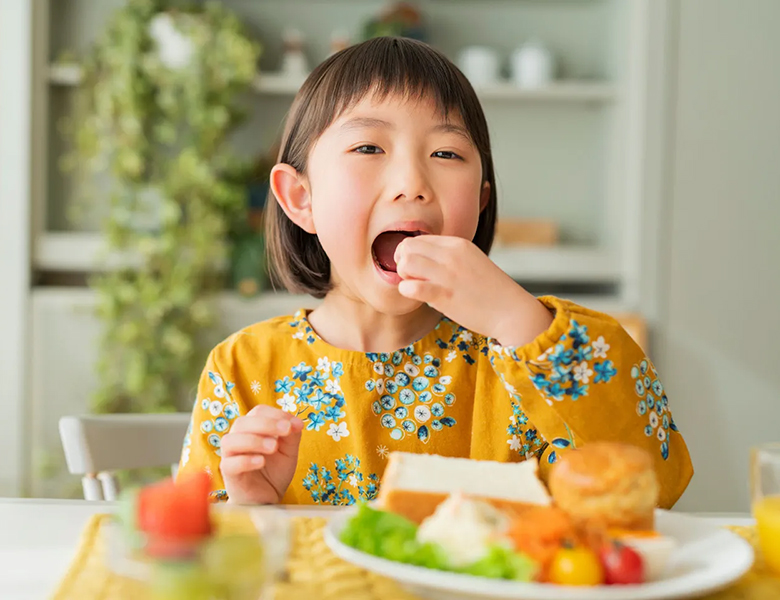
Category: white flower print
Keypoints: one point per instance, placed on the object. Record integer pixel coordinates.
(185, 456)
(466, 336)
(255, 387)
(600, 348)
(287, 403)
(379, 368)
(513, 420)
(338, 431)
(509, 387)
(451, 356)
(446, 380)
(298, 335)
(215, 408)
(411, 370)
(353, 481)
(514, 443)
(332, 387)
(323, 364)
(382, 451)
(380, 386)
(582, 372)
(653, 419)
(422, 413)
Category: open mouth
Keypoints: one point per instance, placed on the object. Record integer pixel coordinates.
(385, 245)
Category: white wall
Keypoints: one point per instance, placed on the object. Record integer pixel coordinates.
(718, 341)
(15, 49)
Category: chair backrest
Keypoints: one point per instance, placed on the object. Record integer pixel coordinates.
(97, 445)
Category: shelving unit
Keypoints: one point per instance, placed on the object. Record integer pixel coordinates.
(277, 84)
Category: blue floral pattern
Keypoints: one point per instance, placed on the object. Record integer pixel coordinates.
(413, 396)
(313, 393)
(565, 370)
(561, 443)
(653, 404)
(303, 331)
(524, 439)
(462, 342)
(220, 414)
(340, 488)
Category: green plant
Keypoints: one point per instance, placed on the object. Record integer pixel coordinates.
(158, 125)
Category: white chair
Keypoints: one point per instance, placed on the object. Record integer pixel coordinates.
(97, 445)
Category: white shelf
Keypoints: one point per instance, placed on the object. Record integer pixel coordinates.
(85, 252)
(575, 264)
(276, 84)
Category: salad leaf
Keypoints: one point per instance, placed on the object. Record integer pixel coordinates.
(502, 563)
(391, 536)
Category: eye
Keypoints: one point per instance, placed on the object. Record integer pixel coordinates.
(446, 154)
(368, 149)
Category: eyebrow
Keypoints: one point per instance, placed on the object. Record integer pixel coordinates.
(370, 122)
(361, 122)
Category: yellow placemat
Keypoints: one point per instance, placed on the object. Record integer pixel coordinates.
(313, 572)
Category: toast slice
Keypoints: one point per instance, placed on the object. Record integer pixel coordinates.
(415, 484)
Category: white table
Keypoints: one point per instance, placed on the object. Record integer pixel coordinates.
(38, 539)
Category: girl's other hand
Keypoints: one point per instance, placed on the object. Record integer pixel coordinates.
(456, 278)
(259, 455)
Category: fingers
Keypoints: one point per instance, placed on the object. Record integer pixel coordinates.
(247, 443)
(264, 420)
(424, 291)
(232, 466)
(417, 266)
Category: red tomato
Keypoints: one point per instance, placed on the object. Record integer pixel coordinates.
(576, 566)
(622, 565)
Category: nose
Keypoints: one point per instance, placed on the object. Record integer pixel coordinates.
(410, 180)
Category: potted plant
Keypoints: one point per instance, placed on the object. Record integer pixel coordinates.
(160, 96)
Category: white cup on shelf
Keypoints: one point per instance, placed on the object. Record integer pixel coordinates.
(480, 65)
(533, 65)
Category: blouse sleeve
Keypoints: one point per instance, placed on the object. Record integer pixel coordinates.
(585, 379)
(217, 405)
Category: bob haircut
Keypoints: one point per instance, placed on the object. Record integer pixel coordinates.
(381, 66)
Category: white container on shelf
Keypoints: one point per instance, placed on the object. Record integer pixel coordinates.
(533, 65)
(480, 65)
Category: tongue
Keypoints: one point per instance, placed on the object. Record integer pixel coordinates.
(384, 249)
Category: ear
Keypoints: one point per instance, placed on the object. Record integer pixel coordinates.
(292, 192)
(484, 196)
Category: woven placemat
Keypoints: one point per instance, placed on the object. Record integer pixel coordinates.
(314, 572)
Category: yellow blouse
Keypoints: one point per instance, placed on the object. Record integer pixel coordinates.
(453, 392)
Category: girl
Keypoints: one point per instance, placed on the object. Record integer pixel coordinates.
(384, 205)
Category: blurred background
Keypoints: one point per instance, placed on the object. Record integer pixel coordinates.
(637, 148)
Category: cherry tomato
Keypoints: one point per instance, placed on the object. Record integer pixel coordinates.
(622, 565)
(576, 566)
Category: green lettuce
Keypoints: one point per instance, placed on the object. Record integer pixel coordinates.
(391, 536)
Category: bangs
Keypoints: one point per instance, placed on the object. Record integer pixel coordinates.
(384, 67)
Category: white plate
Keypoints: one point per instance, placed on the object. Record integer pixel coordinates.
(708, 558)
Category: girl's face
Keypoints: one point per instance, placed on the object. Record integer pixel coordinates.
(394, 165)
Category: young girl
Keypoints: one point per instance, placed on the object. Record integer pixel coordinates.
(384, 205)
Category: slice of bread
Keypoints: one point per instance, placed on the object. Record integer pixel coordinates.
(415, 484)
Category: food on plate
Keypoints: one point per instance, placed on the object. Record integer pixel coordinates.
(654, 548)
(622, 564)
(415, 484)
(610, 484)
(394, 537)
(595, 527)
(576, 566)
(465, 528)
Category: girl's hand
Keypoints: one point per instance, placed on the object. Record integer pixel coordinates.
(259, 455)
(456, 278)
